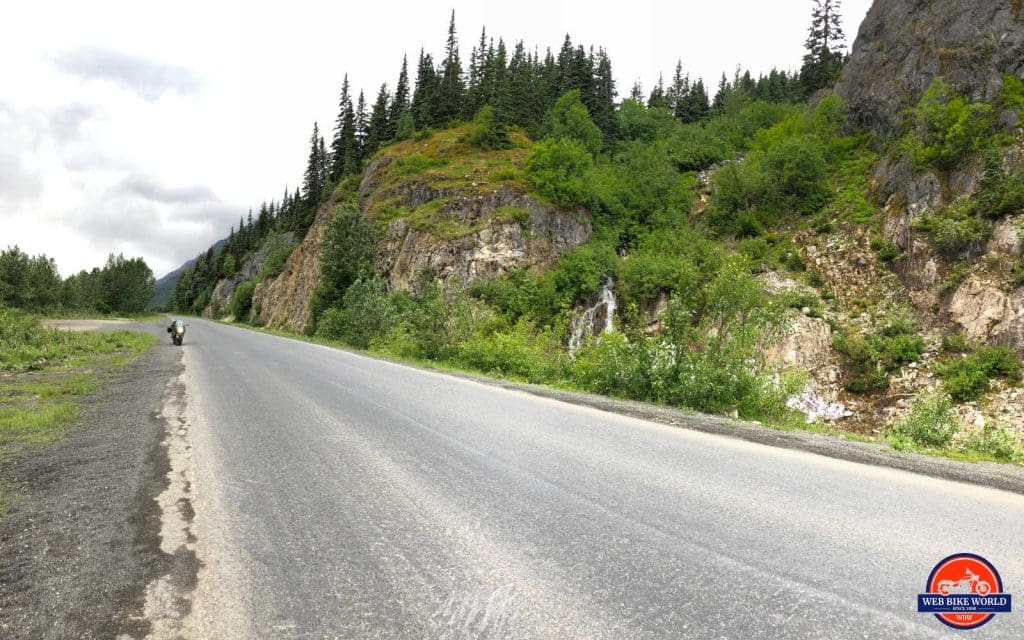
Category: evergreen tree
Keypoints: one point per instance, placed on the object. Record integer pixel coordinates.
(425, 96)
(475, 95)
(452, 87)
(344, 152)
(362, 124)
(377, 132)
(521, 96)
(500, 97)
(603, 112)
(400, 102)
(824, 59)
(657, 98)
(313, 178)
(636, 94)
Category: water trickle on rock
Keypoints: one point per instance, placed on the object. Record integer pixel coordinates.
(597, 317)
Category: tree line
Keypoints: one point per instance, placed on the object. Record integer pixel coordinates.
(503, 87)
(32, 283)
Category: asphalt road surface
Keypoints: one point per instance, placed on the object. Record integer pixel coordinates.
(338, 496)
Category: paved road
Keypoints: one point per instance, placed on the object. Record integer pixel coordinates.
(340, 496)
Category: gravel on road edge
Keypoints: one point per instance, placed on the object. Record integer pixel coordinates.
(83, 540)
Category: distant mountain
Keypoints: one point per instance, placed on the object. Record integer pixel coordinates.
(165, 285)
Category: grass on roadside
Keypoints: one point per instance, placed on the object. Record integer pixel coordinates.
(43, 374)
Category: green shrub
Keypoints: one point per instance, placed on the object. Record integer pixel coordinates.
(967, 378)
(522, 351)
(948, 127)
(873, 357)
(440, 320)
(241, 300)
(276, 259)
(886, 249)
(995, 443)
(955, 343)
(1012, 94)
(366, 313)
(956, 229)
(486, 132)
(570, 120)
(999, 193)
(795, 174)
(559, 169)
(930, 423)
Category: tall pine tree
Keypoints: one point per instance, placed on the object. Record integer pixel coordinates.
(377, 132)
(400, 102)
(426, 95)
(452, 87)
(824, 59)
(344, 146)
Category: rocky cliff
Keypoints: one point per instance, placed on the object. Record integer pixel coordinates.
(252, 266)
(902, 45)
(440, 207)
(283, 301)
(459, 213)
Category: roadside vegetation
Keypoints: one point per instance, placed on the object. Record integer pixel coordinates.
(45, 373)
(695, 198)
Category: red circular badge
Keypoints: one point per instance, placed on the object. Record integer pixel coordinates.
(967, 575)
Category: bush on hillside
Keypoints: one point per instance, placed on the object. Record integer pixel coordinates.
(559, 170)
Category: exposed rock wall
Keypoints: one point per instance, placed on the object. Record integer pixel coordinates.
(902, 45)
(250, 269)
(284, 301)
(474, 233)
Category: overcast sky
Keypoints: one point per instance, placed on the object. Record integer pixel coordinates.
(148, 128)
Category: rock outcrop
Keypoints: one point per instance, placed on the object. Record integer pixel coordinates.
(902, 45)
(250, 269)
(284, 301)
(986, 313)
(471, 232)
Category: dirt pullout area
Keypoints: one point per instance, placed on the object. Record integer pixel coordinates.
(83, 540)
(89, 324)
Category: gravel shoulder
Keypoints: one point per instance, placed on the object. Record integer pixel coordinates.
(83, 540)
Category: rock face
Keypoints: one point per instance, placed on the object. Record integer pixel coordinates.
(250, 268)
(987, 314)
(284, 301)
(471, 234)
(902, 45)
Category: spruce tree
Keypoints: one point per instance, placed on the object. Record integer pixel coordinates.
(636, 93)
(824, 59)
(500, 97)
(657, 98)
(603, 112)
(313, 178)
(362, 123)
(343, 145)
(377, 131)
(475, 96)
(520, 87)
(425, 96)
(400, 102)
(452, 87)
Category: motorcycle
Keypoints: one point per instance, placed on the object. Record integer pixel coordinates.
(970, 583)
(177, 331)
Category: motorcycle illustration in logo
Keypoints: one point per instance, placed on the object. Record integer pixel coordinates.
(964, 591)
(970, 583)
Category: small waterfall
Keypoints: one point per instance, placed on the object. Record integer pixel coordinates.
(596, 318)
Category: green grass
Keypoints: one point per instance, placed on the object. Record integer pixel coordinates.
(44, 373)
(445, 161)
